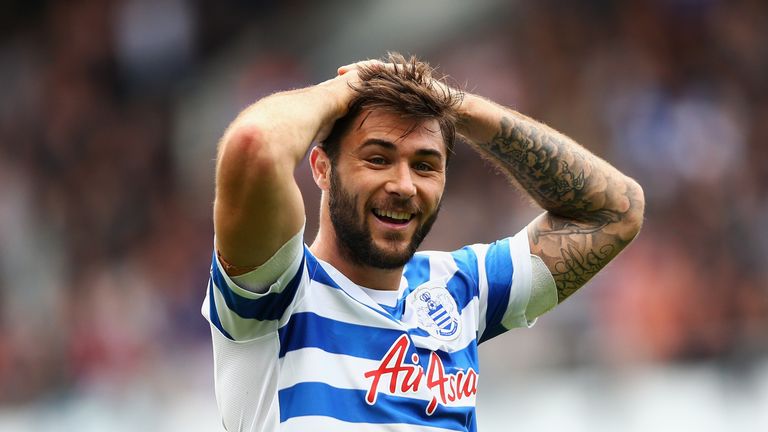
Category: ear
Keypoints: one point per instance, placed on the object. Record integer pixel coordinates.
(321, 167)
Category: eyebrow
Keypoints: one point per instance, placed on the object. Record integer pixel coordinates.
(391, 146)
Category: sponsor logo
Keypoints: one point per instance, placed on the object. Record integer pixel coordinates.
(437, 312)
(396, 376)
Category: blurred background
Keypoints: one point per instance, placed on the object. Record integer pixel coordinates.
(110, 111)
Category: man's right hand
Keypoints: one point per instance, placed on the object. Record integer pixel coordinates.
(341, 91)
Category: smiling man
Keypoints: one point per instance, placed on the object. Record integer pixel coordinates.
(359, 331)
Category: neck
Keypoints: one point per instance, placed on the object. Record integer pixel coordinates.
(326, 248)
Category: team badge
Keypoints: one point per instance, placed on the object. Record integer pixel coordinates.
(437, 312)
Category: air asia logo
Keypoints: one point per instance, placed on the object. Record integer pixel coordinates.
(395, 376)
(437, 312)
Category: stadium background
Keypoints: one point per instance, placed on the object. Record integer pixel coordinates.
(109, 116)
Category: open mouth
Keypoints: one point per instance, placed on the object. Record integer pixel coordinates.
(393, 217)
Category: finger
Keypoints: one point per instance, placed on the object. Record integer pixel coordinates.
(357, 65)
(346, 68)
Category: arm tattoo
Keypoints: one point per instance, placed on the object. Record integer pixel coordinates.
(586, 199)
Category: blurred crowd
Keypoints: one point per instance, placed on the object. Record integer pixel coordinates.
(104, 253)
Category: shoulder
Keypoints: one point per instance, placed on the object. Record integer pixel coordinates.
(469, 259)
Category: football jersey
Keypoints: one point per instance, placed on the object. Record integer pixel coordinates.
(315, 351)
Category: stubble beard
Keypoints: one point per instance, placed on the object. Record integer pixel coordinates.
(354, 239)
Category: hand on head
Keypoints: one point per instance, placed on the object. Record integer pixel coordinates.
(357, 65)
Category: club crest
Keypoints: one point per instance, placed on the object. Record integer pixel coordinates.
(437, 312)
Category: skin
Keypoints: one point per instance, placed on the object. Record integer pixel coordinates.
(388, 171)
(592, 211)
(258, 205)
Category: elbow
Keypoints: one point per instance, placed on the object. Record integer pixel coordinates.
(244, 141)
(246, 149)
(247, 163)
(635, 214)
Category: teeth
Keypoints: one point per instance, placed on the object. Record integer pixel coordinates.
(393, 214)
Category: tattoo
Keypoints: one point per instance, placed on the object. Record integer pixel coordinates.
(576, 268)
(586, 200)
(539, 162)
(573, 252)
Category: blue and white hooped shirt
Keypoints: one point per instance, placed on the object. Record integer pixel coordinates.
(315, 352)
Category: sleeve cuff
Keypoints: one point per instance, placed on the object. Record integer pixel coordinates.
(520, 292)
(259, 280)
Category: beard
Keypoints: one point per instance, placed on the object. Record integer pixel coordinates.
(354, 235)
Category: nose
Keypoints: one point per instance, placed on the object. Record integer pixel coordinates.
(401, 183)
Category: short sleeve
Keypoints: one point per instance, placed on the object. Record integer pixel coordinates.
(242, 314)
(504, 285)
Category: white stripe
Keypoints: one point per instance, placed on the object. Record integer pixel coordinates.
(352, 289)
(334, 304)
(520, 294)
(347, 373)
(241, 372)
(337, 305)
(205, 309)
(306, 365)
(442, 266)
(321, 424)
(482, 284)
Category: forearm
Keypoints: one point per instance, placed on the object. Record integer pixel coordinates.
(287, 122)
(593, 210)
(560, 175)
(258, 205)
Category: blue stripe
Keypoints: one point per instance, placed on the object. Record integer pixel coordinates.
(439, 313)
(267, 307)
(463, 285)
(394, 311)
(214, 314)
(416, 273)
(316, 271)
(307, 329)
(499, 271)
(319, 399)
(416, 331)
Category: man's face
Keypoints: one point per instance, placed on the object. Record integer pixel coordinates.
(385, 188)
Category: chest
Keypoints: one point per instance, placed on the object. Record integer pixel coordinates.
(421, 347)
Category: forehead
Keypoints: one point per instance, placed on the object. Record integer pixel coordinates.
(405, 133)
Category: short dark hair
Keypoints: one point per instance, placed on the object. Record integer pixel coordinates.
(406, 89)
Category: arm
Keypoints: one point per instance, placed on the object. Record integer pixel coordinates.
(592, 212)
(258, 205)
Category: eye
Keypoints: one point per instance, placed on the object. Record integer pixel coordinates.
(377, 160)
(423, 166)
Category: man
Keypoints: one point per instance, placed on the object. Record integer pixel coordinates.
(356, 332)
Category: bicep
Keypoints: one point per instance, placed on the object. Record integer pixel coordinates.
(575, 251)
(258, 205)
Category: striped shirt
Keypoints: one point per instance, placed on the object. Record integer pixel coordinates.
(315, 351)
